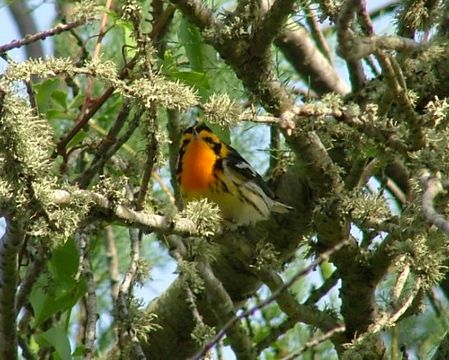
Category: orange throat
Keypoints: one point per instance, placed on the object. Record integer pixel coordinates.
(197, 167)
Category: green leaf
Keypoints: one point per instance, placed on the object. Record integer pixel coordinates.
(61, 291)
(78, 138)
(79, 351)
(64, 261)
(192, 42)
(43, 93)
(77, 101)
(198, 80)
(326, 269)
(60, 98)
(128, 35)
(56, 337)
(63, 296)
(57, 115)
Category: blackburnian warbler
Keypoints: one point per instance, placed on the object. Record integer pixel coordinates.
(209, 168)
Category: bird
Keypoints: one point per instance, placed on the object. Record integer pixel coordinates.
(209, 168)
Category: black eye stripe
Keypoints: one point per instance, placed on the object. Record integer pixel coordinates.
(217, 148)
(209, 140)
(185, 143)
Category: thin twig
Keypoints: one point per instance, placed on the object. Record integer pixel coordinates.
(323, 257)
(392, 71)
(316, 32)
(318, 293)
(128, 280)
(125, 294)
(98, 44)
(390, 318)
(307, 314)
(109, 145)
(314, 342)
(400, 283)
(91, 302)
(167, 191)
(275, 333)
(41, 35)
(96, 104)
(151, 152)
(26, 24)
(295, 316)
(387, 137)
(33, 272)
(224, 308)
(113, 262)
(239, 340)
(178, 251)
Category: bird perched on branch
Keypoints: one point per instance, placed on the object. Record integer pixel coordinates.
(209, 168)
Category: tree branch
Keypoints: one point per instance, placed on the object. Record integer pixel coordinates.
(10, 244)
(432, 188)
(270, 25)
(124, 296)
(91, 302)
(314, 342)
(109, 145)
(276, 293)
(29, 39)
(33, 273)
(113, 262)
(389, 318)
(198, 13)
(301, 52)
(145, 221)
(224, 310)
(26, 26)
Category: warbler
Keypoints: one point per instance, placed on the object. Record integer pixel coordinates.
(209, 168)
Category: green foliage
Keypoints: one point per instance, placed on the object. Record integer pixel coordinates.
(57, 339)
(141, 321)
(151, 78)
(60, 290)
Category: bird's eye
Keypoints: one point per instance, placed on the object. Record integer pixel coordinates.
(209, 140)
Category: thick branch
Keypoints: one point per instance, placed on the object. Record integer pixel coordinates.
(145, 221)
(299, 49)
(10, 244)
(198, 13)
(278, 294)
(432, 188)
(224, 309)
(270, 25)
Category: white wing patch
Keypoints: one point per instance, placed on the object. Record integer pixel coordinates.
(246, 166)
